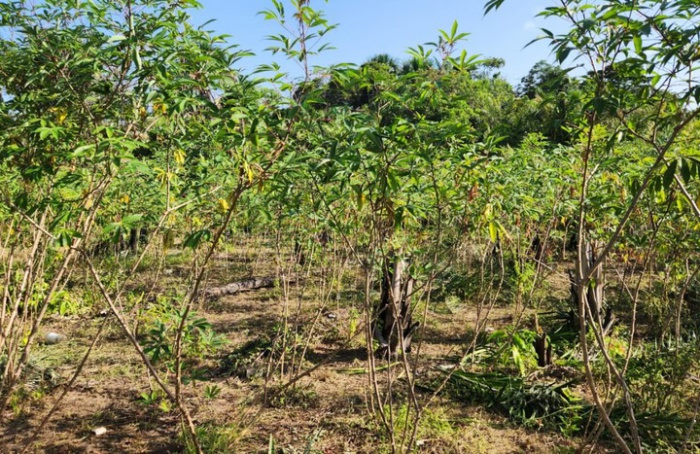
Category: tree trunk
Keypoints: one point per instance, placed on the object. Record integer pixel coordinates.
(394, 327)
(595, 292)
(543, 349)
(136, 237)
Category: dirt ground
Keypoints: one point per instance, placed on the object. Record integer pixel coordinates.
(326, 410)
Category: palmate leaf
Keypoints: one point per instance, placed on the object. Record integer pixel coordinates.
(492, 5)
(670, 174)
(131, 220)
(64, 238)
(518, 359)
(194, 239)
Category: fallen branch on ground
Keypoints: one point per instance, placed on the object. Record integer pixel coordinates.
(241, 286)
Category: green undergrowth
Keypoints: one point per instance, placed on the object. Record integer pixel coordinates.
(533, 404)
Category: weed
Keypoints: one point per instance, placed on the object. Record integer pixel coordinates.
(151, 398)
(311, 440)
(661, 432)
(211, 392)
(434, 428)
(536, 405)
(246, 361)
(198, 338)
(658, 373)
(510, 348)
(156, 398)
(295, 396)
(214, 439)
(65, 303)
(355, 318)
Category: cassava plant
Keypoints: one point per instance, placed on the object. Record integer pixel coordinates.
(95, 95)
(641, 59)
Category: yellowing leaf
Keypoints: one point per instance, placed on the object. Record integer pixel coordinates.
(248, 172)
(124, 199)
(160, 108)
(493, 231)
(360, 200)
(165, 406)
(59, 114)
(223, 205)
(180, 156)
(488, 211)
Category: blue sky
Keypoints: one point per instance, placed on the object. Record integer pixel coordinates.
(368, 27)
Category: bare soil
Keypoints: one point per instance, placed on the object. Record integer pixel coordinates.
(328, 409)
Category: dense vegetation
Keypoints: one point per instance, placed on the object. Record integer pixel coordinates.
(399, 189)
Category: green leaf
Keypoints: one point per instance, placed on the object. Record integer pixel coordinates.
(492, 5)
(116, 38)
(131, 220)
(271, 447)
(112, 227)
(670, 173)
(518, 360)
(563, 54)
(194, 239)
(686, 170)
(638, 44)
